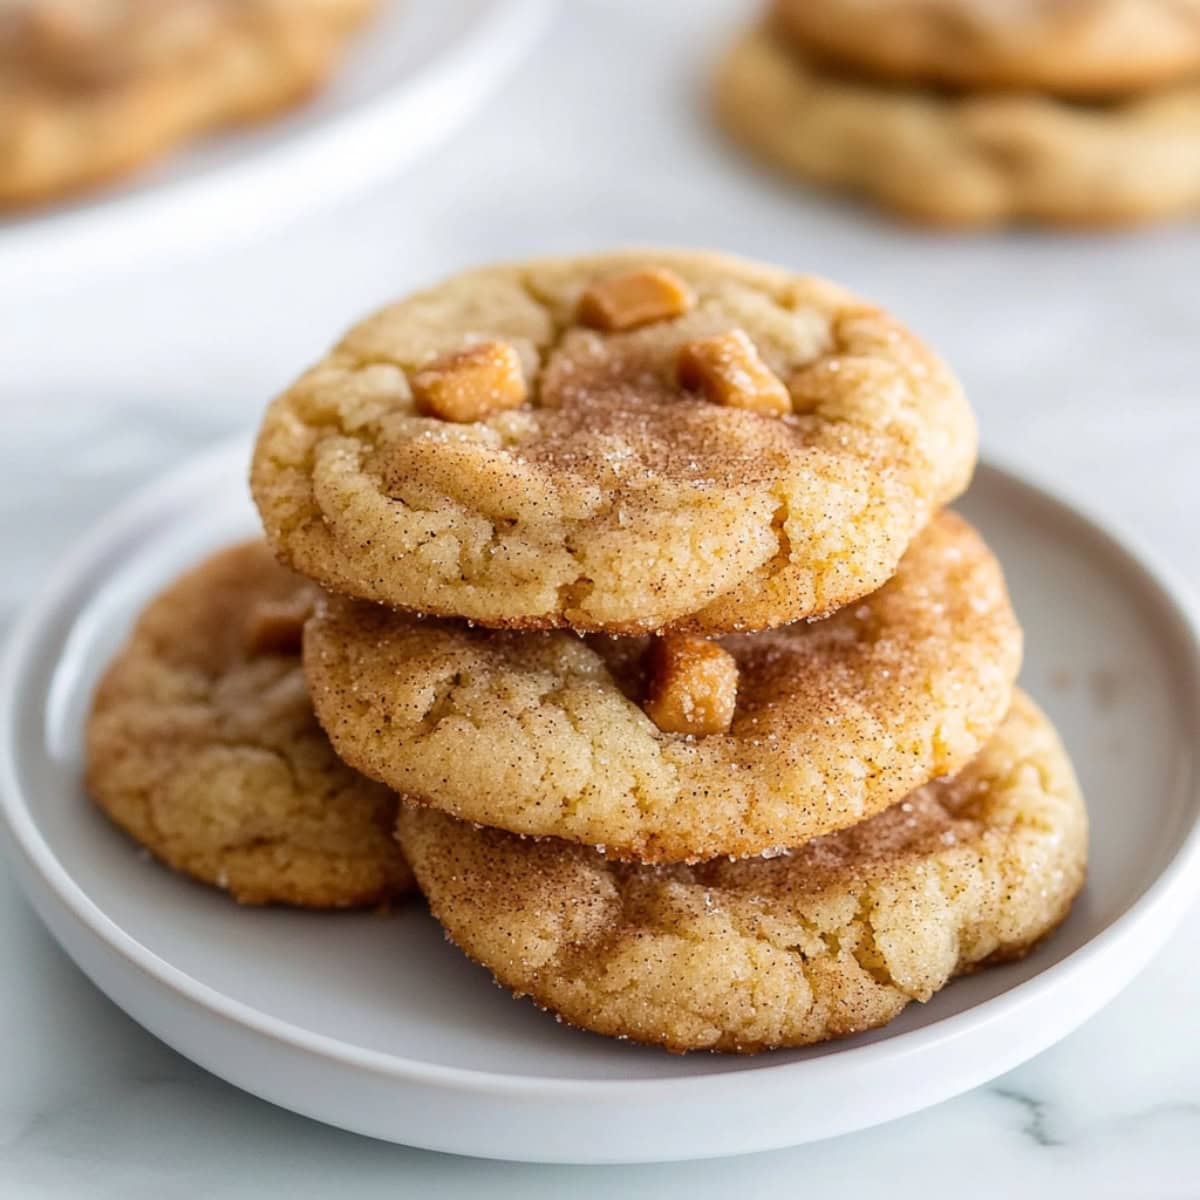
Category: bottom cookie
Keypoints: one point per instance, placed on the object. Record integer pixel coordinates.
(965, 159)
(202, 745)
(828, 940)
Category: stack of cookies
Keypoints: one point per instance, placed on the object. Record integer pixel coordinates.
(966, 112)
(632, 576)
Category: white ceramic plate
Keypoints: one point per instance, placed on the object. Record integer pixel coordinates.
(380, 1026)
(413, 75)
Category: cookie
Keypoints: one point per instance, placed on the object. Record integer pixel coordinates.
(828, 940)
(1079, 48)
(549, 734)
(203, 747)
(622, 443)
(964, 160)
(90, 90)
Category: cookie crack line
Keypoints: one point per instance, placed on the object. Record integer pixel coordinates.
(844, 938)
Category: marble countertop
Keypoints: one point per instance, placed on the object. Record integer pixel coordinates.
(1081, 354)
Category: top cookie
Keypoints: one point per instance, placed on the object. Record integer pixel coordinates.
(89, 90)
(1070, 47)
(623, 443)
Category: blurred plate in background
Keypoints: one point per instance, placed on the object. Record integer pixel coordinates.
(408, 80)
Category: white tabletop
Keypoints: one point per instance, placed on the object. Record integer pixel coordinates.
(1080, 353)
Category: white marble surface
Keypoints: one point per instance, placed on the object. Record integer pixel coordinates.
(1081, 354)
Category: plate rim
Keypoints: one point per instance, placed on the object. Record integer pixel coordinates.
(1166, 896)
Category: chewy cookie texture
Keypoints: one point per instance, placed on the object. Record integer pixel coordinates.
(91, 89)
(830, 939)
(203, 747)
(814, 93)
(560, 522)
(799, 731)
(622, 443)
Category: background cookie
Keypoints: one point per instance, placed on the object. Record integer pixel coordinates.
(829, 940)
(964, 159)
(612, 452)
(545, 733)
(202, 745)
(91, 90)
(1068, 47)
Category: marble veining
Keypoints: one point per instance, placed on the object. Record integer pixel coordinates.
(1037, 1125)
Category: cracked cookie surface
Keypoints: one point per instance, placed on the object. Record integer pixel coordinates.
(202, 745)
(90, 89)
(615, 498)
(545, 733)
(1065, 47)
(969, 159)
(828, 940)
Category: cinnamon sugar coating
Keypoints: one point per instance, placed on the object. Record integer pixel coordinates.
(616, 500)
(544, 732)
(828, 940)
(203, 747)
